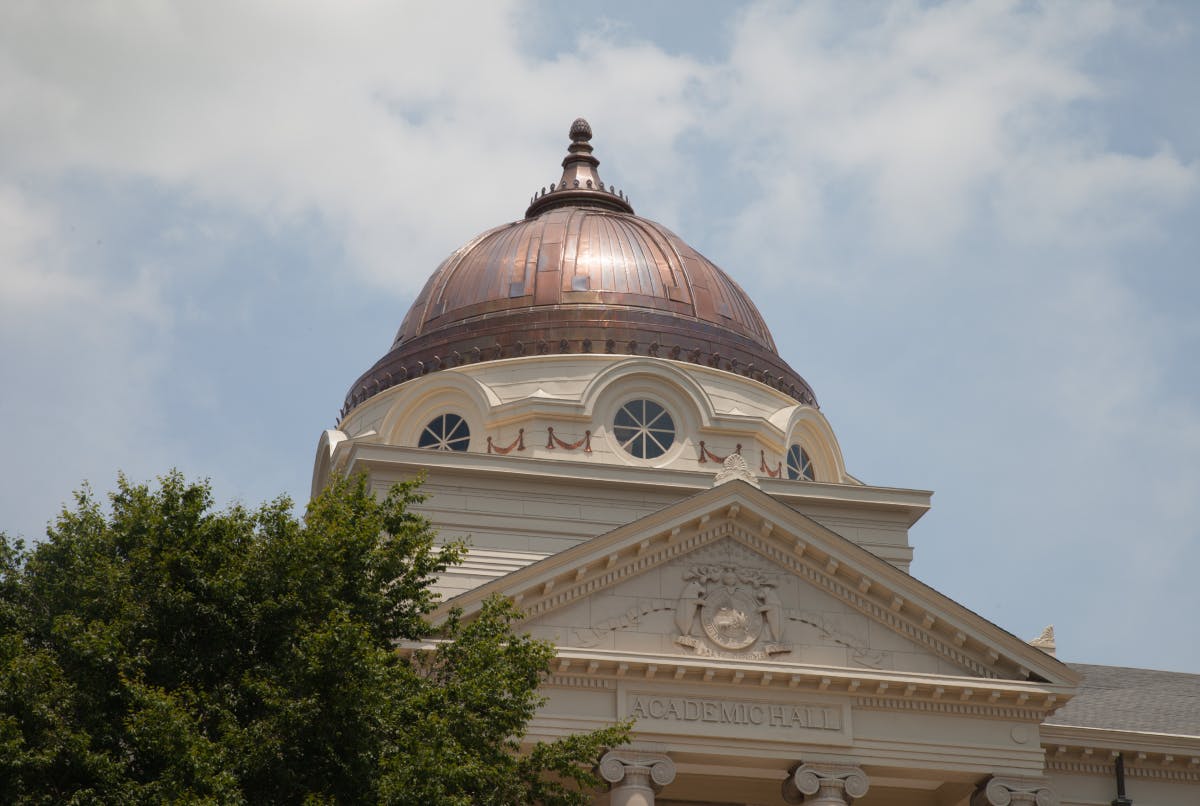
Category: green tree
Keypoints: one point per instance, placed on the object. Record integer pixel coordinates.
(159, 650)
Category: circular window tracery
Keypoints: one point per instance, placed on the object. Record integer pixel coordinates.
(446, 432)
(644, 429)
(799, 464)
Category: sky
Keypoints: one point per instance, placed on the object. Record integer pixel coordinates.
(972, 227)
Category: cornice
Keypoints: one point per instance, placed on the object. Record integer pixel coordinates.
(357, 453)
(1175, 771)
(1093, 751)
(874, 689)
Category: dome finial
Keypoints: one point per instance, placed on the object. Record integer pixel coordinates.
(581, 130)
(580, 184)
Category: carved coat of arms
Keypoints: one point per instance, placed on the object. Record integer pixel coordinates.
(735, 608)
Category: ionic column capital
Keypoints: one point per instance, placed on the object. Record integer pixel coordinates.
(833, 784)
(1015, 791)
(635, 775)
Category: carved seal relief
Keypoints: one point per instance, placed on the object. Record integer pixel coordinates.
(734, 606)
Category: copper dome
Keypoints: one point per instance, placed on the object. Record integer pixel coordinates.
(580, 273)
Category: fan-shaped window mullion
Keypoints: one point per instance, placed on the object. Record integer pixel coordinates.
(644, 429)
(446, 432)
(799, 464)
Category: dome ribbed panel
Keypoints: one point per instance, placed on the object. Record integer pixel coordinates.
(616, 258)
(581, 279)
(582, 255)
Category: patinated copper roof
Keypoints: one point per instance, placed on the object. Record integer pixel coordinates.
(580, 273)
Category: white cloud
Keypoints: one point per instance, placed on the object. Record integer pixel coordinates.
(81, 356)
(387, 122)
(1062, 193)
(380, 122)
(25, 236)
(397, 128)
(936, 116)
(950, 169)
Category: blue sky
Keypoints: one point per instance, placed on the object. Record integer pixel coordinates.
(971, 226)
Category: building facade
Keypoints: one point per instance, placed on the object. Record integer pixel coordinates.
(603, 415)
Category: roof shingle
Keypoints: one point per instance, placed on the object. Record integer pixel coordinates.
(1120, 698)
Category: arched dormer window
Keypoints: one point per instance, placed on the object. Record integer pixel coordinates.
(446, 432)
(799, 464)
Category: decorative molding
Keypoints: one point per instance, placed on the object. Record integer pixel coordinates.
(734, 468)
(944, 707)
(576, 681)
(1170, 758)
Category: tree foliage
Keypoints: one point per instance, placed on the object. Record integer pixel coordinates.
(159, 650)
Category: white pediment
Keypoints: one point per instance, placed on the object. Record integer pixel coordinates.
(724, 600)
(732, 574)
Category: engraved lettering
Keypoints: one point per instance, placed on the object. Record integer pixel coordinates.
(639, 708)
(735, 712)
